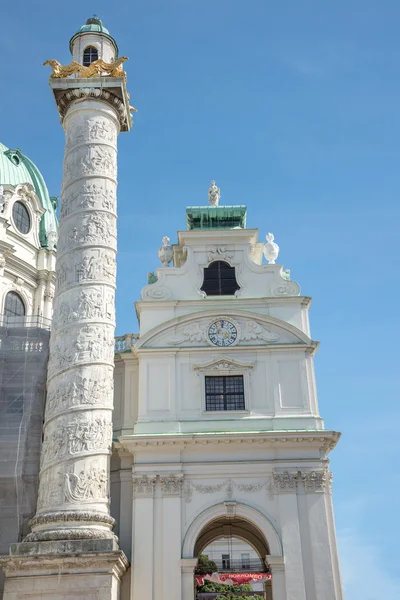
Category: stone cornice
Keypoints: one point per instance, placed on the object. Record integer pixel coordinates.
(325, 441)
(310, 349)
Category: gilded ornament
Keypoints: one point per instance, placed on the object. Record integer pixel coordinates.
(98, 68)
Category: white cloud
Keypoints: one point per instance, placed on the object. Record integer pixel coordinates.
(363, 572)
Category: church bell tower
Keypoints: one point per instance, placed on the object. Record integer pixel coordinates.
(219, 416)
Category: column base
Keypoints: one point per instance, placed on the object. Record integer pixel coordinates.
(64, 570)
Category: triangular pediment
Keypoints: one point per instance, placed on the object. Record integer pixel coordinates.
(241, 328)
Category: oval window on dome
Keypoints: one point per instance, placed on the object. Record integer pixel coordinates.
(90, 54)
(21, 217)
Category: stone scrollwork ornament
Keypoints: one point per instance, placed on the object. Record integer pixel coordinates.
(165, 252)
(271, 249)
(255, 331)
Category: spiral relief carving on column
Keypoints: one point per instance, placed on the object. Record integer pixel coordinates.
(74, 480)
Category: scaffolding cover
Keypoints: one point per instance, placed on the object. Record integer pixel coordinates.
(24, 349)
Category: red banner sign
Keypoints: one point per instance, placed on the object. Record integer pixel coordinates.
(233, 578)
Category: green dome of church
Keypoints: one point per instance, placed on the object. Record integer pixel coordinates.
(16, 168)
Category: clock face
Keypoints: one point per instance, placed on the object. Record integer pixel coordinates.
(223, 333)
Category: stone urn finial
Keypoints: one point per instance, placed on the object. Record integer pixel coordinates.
(165, 253)
(271, 249)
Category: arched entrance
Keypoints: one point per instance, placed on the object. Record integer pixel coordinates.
(231, 543)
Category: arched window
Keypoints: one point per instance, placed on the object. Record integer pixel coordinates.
(21, 217)
(14, 305)
(219, 279)
(90, 54)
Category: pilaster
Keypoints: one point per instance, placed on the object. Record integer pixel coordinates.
(171, 492)
(277, 568)
(143, 537)
(286, 488)
(323, 547)
(188, 566)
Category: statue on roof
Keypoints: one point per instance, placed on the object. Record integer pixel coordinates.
(214, 194)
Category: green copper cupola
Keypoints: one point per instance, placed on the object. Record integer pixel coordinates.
(16, 169)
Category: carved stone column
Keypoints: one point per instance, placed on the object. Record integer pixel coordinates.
(74, 479)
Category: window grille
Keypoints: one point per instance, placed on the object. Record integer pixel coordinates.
(21, 217)
(219, 279)
(14, 306)
(225, 392)
(90, 54)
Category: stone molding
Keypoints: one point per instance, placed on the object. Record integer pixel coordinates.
(324, 442)
(275, 563)
(51, 564)
(71, 533)
(59, 516)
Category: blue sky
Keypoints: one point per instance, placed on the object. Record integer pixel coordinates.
(293, 107)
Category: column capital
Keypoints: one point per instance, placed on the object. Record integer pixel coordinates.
(316, 481)
(171, 484)
(285, 482)
(109, 89)
(143, 486)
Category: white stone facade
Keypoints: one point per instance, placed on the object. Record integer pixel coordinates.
(264, 469)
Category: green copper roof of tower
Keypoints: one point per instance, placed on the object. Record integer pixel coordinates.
(16, 168)
(216, 217)
(93, 25)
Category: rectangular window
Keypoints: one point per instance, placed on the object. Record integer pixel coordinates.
(226, 561)
(225, 392)
(245, 560)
